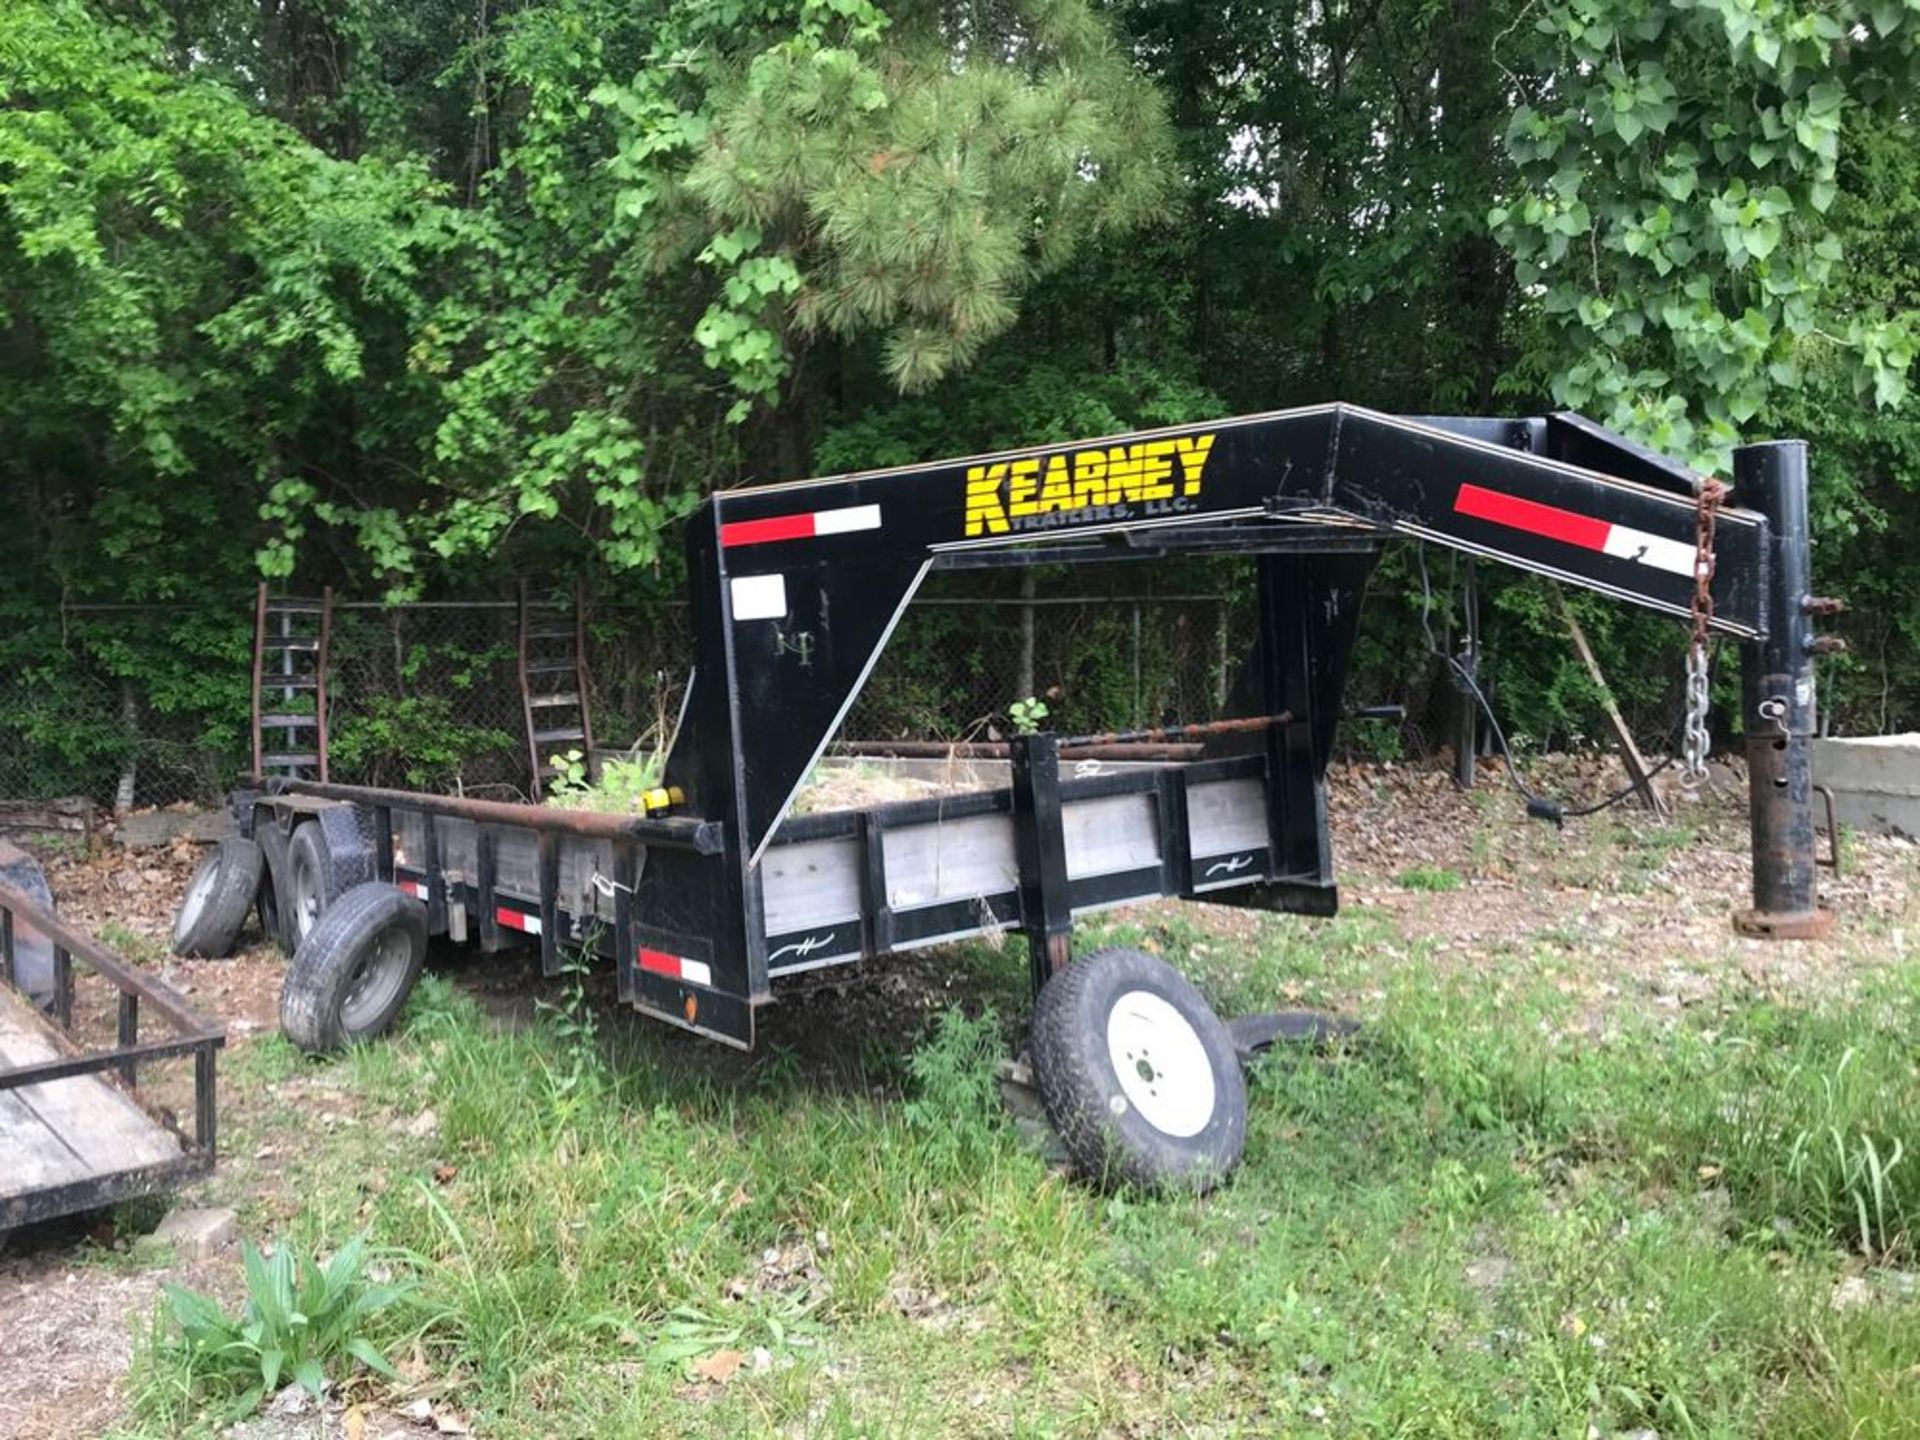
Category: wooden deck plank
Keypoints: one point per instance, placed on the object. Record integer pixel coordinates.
(65, 1130)
(32, 1154)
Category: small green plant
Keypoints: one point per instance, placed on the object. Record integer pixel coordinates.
(1027, 715)
(1376, 740)
(300, 1319)
(576, 1024)
(618, 788)
(777, 1322)
(416, 738)
(569, 776)
(1429, 877)
(955, 1104)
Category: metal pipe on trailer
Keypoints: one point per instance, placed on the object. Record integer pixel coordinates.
(703, 837)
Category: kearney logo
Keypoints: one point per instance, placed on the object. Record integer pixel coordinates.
(1160, 477)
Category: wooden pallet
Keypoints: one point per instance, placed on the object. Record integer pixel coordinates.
(79, 1134)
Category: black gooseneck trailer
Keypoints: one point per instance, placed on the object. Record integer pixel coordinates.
(795, 589)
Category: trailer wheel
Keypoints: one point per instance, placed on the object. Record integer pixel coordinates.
(315, 879)
(355, 969)
(1139, 1076)
(213, 912)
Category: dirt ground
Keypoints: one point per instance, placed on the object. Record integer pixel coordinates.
(1650, 896)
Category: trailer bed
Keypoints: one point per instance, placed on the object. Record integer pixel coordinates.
(74, 1134)
(77, 1135)
(933, 870)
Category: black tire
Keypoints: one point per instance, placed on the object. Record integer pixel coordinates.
(315, 879)
(1120, 1010)
(355, 969)
(32, 951)
(269, 912)
(213, 912)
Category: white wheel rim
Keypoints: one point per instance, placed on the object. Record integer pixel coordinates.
(306, 901)
(198, 890)
(1161, 1064)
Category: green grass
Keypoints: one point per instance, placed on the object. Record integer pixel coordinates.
(130, 945)
(1479, 1218)
(1429, 877)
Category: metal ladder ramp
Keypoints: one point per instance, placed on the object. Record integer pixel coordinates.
(291, 639)
(551, 655)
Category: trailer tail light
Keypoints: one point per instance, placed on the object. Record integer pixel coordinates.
(1570, 527)
(677, 967)
(804, 526)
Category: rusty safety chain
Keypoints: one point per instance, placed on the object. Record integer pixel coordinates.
(1694, 739)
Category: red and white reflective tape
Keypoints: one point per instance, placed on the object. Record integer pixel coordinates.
(514, 920)
(415, 888)
(804, 526)
(1571, 528)
(677, 967)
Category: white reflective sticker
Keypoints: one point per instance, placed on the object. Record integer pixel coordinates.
(1661, 553)
(759, 597)
(695, 972)
(842, 522)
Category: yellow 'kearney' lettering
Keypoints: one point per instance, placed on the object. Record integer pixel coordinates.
(1193, 454)
(1089, 479)
(1104, 483)
(984, 515)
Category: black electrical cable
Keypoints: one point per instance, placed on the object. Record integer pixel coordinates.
(1539, 807)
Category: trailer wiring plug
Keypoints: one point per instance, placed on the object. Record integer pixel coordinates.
(1539, 807)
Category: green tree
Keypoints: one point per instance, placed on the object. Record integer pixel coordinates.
(1678, 168)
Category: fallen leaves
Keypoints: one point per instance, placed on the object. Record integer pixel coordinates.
(719, 1367)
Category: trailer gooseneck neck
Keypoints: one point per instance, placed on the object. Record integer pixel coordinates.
(796, 588)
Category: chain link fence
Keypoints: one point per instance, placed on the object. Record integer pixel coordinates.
(150, 706)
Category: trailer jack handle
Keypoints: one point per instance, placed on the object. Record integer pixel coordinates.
(1832, 860)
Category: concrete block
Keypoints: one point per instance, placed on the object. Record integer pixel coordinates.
(198, 1234)
(1875, 781)
(157, 828)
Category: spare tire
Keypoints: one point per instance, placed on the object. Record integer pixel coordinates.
(353, 973)
(1139, 1075)
(213, 912)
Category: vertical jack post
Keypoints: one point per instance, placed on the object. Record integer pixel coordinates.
(1778, 705)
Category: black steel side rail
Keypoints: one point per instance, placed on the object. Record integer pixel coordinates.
(194, 1035)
